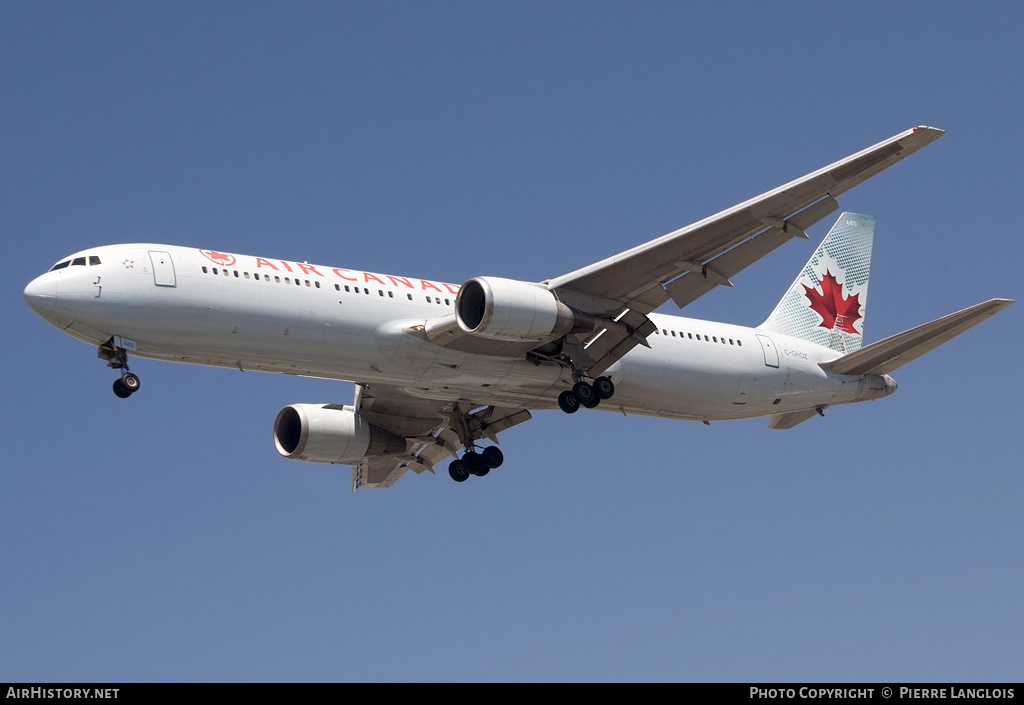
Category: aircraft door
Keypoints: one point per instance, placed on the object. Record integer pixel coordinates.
(743, 391)
(771, 355)
(163, 268)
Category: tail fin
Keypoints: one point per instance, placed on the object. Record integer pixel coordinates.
(827, 302)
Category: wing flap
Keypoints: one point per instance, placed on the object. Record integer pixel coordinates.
(383, 471)
(433, 430)
(702, 279)
(614, 342)
(616, 339)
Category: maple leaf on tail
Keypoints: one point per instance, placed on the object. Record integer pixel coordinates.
(832, 306)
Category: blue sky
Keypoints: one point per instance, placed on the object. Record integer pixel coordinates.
(163, 539)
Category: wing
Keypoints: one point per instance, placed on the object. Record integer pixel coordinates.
(432, 429)
(688, 263)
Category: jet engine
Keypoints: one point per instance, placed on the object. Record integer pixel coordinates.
(510, 310)
(328, 433)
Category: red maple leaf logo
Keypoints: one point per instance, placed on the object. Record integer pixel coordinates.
(832, 306)
(218, 257)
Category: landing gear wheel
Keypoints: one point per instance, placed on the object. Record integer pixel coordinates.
(586, 395)
(120, 390)
(131, 382)
(492, 457)
(604, 388)
(457, 471)
(473, 463)
(568, 402)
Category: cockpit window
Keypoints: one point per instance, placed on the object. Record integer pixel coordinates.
(76, 262)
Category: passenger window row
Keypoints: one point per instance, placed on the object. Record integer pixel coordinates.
(299, 282)
(707, 338)
(266, 277)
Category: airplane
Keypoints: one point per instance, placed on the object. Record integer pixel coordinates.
(439, 367)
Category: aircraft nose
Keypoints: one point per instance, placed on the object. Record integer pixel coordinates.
(41, 295)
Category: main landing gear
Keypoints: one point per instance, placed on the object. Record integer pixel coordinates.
(117, 358)
(469, 427)
(586, 395)
(473, 463)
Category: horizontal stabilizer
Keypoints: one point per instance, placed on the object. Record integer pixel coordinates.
(886, 355)
(790, 419)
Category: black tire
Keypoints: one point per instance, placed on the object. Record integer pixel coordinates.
(586, 395)
(120, 390)
(604, 388)
(457, 472)
(131, 382)
(473, 463)
(493, 457)
(568, 402)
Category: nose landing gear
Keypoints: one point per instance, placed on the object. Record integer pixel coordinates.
(117, 358)
(126, 385)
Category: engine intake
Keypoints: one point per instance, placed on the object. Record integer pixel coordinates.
(328, 433)
(510, 310)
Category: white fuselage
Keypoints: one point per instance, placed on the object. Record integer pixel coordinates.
(197, 306)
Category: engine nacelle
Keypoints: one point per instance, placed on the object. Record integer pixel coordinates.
(328, 433)
(510, 310)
